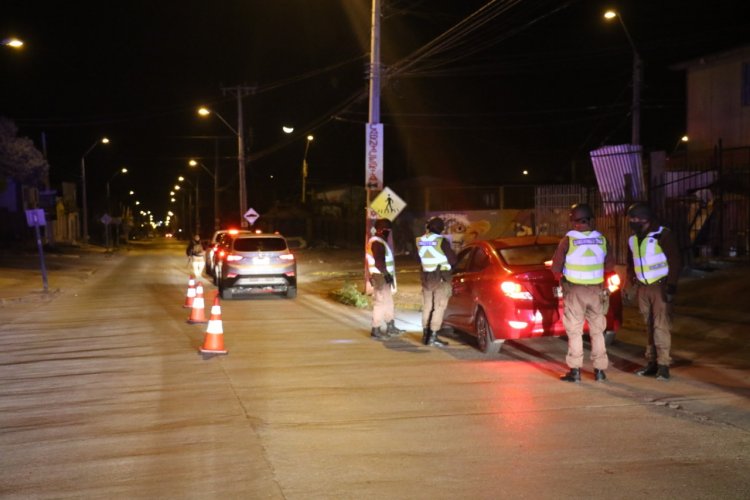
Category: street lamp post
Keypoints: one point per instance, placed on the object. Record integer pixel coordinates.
(637, 83)
(103, 140)
(240, 155)
(123, 170)
(304, 166)
(197, 200)
(214, 176)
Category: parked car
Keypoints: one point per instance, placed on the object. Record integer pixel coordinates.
(217, 240)
(504, 289)
(257, 263)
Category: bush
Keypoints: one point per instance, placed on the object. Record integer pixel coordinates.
(349, 295)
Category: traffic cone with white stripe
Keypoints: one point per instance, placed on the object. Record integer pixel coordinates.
(190, 292)
(197, 314)
(213, 343)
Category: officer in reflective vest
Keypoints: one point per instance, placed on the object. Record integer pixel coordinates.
(382, 269)
(580, 262)
(437, 258)
(654, 266)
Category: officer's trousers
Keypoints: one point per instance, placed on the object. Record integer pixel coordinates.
(657, 315)
(383, 309)
(434, 301)
(585, 303)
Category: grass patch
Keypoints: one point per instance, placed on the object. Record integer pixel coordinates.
(349, 295)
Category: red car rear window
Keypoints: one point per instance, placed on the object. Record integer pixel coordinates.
(527, 256)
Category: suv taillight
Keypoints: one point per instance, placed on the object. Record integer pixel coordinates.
(233, 258)
(286, 256)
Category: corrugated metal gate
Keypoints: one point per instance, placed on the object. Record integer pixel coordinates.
(704, 199)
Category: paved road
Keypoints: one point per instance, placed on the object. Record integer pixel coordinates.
(102, 394)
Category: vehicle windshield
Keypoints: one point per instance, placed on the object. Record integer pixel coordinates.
(270, 244)
(527, 256)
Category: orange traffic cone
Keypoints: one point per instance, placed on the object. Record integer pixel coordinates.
(197, 314)
(213, 343)
(190, 292)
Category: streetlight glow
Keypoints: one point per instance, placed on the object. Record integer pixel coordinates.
(610, 14)
(204, 111)
(13, 43)
(287, 130)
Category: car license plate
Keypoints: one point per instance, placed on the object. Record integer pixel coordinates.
(261, 261)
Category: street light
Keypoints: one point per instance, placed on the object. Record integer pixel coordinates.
(636, 106)
(203, 111)
(103, 140)
(215, 177)
(304, 166)
(123, 170)
(13, 43)
(197, 216)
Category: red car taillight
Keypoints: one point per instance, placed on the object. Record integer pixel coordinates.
(613, 283)
(233, 258)
(515, 290)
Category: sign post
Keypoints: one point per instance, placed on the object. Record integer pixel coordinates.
(35, 218)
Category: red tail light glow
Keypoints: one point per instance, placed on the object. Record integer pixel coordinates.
(613, 283)
(515, 290)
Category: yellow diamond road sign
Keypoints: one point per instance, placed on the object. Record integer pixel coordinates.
(387, 205)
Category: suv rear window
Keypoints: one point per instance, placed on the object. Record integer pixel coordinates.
(261, 244)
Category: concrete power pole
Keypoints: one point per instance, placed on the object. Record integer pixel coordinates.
(239, 92)
(373, 121)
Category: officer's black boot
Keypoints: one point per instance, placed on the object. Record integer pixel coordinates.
(434, 340)
(574, 375)
(426, 336)
(662, 372)
(377, 334)
(649, 370)
(599, 375)
(391, 329)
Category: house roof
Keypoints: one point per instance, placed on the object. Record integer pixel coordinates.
(741, 52)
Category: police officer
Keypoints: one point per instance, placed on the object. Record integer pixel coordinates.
(437, 259)
(382, 269)
(654, 265)
(580, 262)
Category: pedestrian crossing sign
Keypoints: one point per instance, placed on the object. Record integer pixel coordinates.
(387, 204)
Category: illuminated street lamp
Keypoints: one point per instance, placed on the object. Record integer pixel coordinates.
(636, 106)
(123, 170)
(203, 111)
(13, 42)
(103, 140)
(197, 216)
(214, 176)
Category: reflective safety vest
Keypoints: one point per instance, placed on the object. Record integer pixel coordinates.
(649, 260)
(390, 264)
(584, 262)
(431, 253)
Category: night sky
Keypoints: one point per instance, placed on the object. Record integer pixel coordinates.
(521, 85)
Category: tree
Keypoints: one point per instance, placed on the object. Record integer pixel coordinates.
(19, 158)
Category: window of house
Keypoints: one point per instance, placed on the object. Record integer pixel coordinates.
(746, 84)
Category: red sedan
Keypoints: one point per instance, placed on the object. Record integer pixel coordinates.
(504, 289)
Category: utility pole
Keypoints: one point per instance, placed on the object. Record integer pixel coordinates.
(239, 92)
(373, 171)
